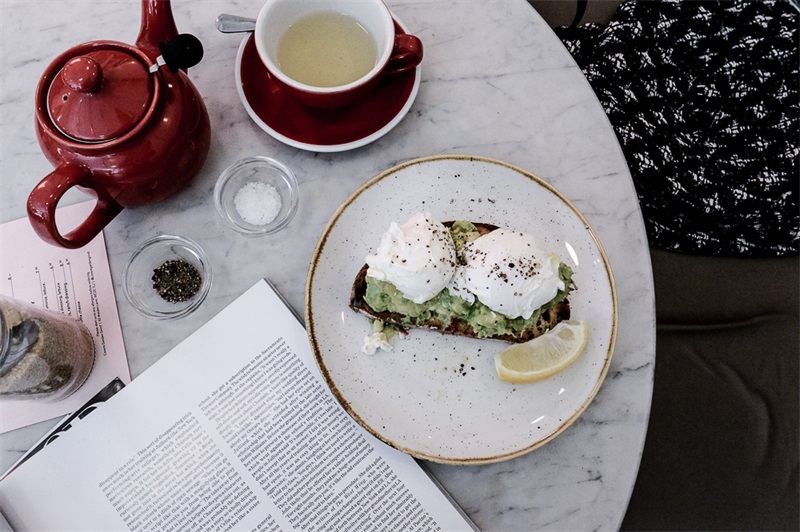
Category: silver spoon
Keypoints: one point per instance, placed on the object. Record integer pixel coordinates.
(235, 24)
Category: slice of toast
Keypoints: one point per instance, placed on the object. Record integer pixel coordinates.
(547, 321)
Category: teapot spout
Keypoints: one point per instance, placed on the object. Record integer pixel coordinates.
(158, 25)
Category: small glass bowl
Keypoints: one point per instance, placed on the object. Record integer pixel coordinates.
(249, 170)
(137, 277)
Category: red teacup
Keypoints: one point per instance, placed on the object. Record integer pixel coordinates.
(392, 53)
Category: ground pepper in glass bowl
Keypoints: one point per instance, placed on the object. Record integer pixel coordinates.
(167, 277)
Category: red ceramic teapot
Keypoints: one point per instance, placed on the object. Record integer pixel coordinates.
(122, 123)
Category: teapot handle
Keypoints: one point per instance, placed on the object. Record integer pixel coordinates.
(43, 201)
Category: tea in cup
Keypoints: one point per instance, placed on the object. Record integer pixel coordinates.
(332, 53)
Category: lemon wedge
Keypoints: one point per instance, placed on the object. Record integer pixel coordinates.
(543, 356)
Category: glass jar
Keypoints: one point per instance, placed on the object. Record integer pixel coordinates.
(43, 354)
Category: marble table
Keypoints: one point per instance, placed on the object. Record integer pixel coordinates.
(495, 82)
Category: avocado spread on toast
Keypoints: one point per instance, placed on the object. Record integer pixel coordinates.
(445, 307)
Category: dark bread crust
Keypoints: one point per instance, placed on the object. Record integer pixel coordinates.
(547, 321)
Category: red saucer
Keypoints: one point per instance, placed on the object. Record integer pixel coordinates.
(320, 129)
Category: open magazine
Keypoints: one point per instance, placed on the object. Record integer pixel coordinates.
(233, 429)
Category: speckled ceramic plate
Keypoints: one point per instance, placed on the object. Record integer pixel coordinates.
(437, 397)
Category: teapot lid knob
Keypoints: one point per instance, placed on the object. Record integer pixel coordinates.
(82, 74)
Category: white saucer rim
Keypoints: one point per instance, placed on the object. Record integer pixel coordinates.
(322, 148)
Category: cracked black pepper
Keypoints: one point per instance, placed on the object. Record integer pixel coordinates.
(176, 280)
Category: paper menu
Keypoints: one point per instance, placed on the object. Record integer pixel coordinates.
(76, 282)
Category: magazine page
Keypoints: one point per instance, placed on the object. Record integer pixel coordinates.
(232, 430)
(68, 422)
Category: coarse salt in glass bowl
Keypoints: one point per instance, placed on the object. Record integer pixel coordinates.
(256, 196)
(138, 277)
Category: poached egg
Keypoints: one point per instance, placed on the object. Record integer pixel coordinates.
(418, 257)
(508, 273)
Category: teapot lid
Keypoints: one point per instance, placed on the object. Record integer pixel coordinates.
(99, 96)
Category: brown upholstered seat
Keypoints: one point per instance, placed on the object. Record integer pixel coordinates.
(722, 445)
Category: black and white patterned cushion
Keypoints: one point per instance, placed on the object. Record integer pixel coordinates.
(704, 99)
